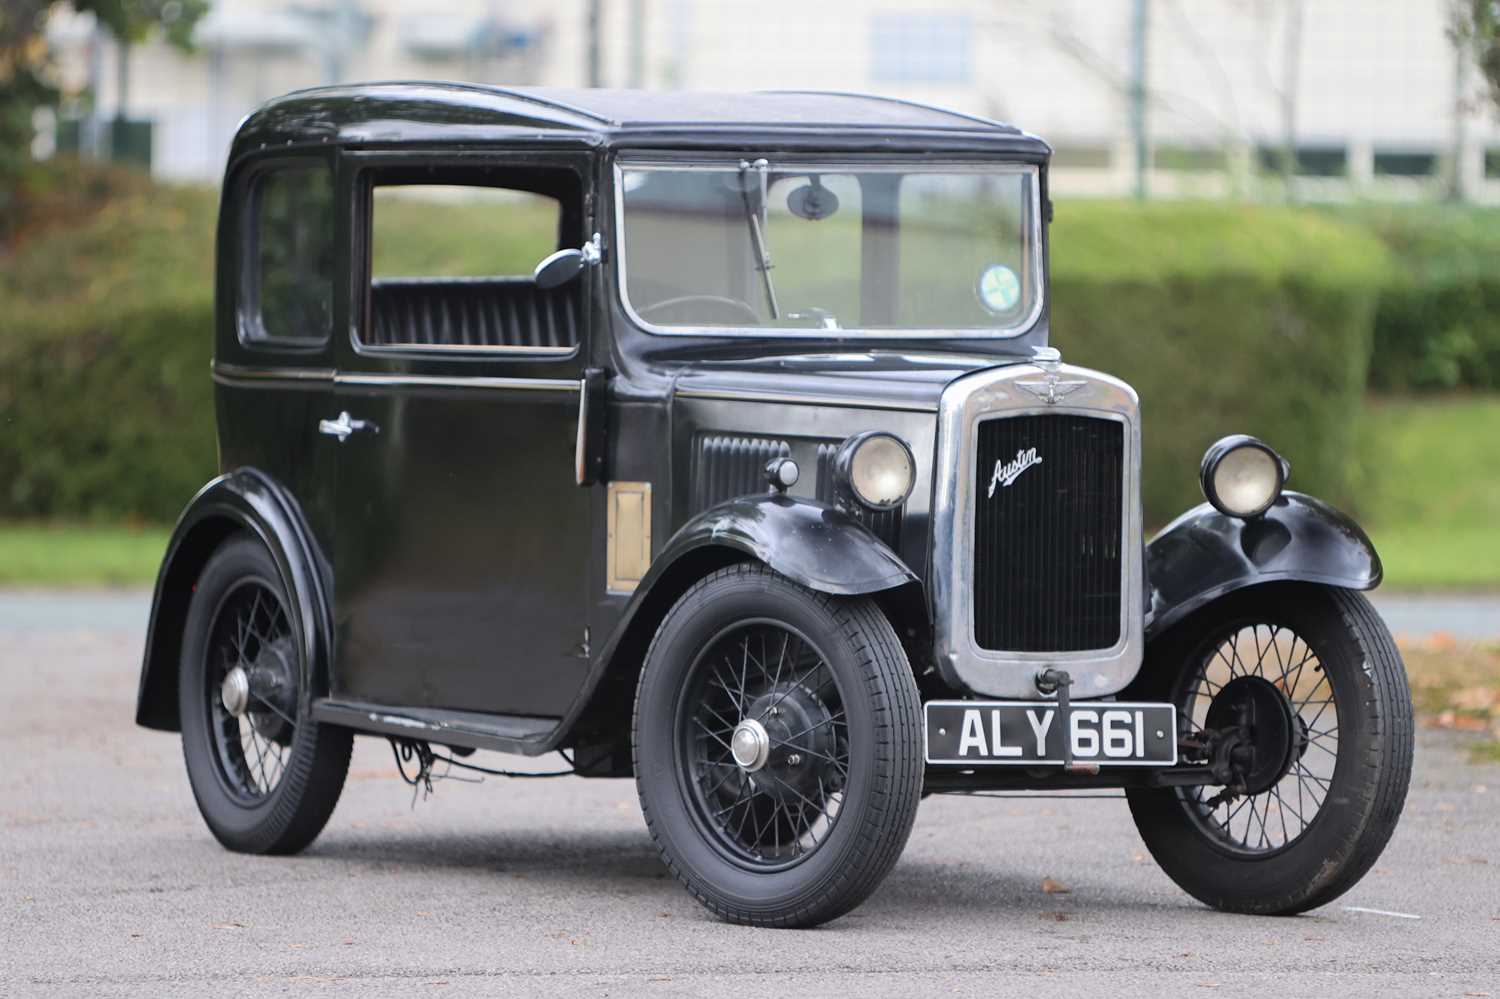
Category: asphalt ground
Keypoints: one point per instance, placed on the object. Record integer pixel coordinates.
(111, 885)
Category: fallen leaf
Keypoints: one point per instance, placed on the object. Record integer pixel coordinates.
(1054, 887)
(227, 926)
(1056, 917)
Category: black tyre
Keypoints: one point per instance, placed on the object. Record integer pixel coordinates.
(777, 742)
(265, 775)
(1302, 688)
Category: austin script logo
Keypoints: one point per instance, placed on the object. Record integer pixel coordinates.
(1007, 472)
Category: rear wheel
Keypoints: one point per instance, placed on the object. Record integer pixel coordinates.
(1298, 693)
(265, 775)
(777, 748)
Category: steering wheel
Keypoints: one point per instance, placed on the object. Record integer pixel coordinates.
(679, 310)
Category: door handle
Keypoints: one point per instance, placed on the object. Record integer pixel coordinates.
(344, 425)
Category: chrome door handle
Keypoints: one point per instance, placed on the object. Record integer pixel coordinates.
(344, 425)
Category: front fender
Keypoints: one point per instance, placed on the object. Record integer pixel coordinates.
(817, 545)
(812, 543)
(242, 500)
(1204, 554)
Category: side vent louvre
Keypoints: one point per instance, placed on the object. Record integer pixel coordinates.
(726, 467)
(884, 524)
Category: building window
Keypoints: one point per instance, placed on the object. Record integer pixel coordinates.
(1405, 164)
(1081, 157)
(289, 256)
(1492, 164)
(1307, 161)
(921, 48)
(1189, 159)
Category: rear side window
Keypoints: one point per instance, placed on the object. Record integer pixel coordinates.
(289, 259)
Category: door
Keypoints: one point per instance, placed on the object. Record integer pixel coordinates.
(463, 536)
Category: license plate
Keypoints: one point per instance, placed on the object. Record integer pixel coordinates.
(1032, 733)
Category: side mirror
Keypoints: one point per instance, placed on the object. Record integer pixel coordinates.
(557, 269)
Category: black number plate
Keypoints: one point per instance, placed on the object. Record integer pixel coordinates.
(1031, 733)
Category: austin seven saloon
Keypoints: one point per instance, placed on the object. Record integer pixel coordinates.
(715, 440)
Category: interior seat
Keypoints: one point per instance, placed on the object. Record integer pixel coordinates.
(471, 312)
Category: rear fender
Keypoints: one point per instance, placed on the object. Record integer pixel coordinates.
(243, 500)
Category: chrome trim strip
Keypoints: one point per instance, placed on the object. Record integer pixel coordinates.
(438, 381)
(418, 349)
(966, 403)
(228, 374)
(581, 443)
(794, 399)
(795, 332)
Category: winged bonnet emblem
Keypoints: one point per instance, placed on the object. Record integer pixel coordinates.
(1050, 388)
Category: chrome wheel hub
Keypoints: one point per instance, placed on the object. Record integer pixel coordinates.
(234, 692)
(750, 745)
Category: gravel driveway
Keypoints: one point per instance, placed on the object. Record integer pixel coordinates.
(110, 884)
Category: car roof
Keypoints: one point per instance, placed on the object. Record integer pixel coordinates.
(427, 112)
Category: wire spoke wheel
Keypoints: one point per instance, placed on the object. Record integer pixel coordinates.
(251, 689)
(764, 744)
(1295, 738)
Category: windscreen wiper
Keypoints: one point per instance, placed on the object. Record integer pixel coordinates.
(753, 212)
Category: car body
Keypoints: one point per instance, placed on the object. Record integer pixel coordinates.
(483, 497)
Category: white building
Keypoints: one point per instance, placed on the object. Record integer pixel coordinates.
(1370, 90)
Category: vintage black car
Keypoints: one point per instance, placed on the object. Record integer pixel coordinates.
(763, 487)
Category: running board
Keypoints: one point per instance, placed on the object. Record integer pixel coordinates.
(521, 734)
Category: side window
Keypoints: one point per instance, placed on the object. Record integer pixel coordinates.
(287, 280)
(451, 258)
(453, 231)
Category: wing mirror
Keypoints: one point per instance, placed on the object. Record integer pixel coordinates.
(559, 268)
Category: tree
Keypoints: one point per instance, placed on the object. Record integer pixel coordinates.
(25, 83)
(1476, 31)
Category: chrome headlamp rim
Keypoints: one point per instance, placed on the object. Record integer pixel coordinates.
(1223, 448)
(843, 469)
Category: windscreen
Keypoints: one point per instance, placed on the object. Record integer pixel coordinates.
(799, 249)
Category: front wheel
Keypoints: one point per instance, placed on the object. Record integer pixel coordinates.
(777, 741)
(1298, 693)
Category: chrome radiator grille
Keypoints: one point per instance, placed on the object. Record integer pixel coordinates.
(1047, 541)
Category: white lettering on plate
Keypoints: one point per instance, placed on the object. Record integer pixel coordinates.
(972, 734)
(997, 745)
(1039, 727)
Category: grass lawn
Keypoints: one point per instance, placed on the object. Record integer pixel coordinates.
(1431, 493)
(77, 555)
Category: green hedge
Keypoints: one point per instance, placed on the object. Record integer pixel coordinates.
(1226, 319)
(1438, 324)
(105, 335)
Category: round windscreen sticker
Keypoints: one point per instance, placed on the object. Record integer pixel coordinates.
(999, 289)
